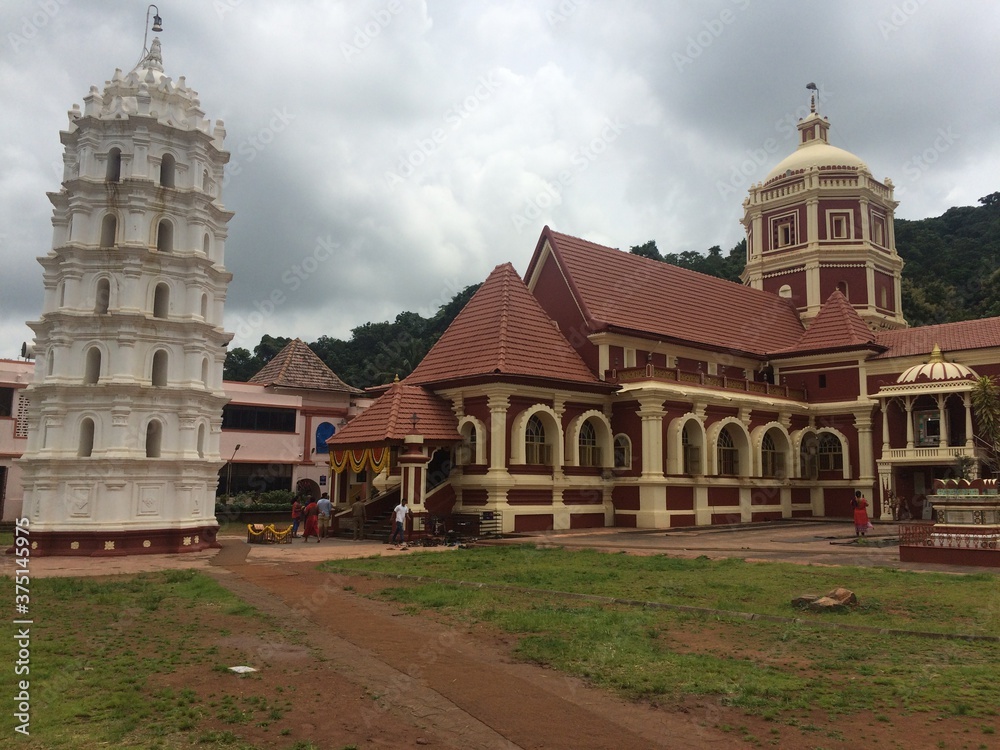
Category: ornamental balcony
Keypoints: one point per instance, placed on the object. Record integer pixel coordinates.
(624, 375)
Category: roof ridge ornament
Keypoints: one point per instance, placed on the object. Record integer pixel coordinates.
(812, 99)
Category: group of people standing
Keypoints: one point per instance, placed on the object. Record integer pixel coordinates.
(314, 517)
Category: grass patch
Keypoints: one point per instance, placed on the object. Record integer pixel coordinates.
(780, 671)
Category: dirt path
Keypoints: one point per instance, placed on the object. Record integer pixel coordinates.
(426, 683)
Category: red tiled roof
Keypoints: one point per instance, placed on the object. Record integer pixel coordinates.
(502, 330)
(967, 334)
(389, 418)
(836, 326)
(658, 300)
(298, 366)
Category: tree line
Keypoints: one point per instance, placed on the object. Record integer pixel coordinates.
(951, 273)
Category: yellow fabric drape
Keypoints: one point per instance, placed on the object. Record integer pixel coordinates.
(359, 459)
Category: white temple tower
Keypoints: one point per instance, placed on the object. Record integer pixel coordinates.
(126, 405)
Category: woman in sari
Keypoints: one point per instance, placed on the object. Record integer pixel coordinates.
(861, 522)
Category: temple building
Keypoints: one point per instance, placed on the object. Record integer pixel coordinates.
(606, 389)
(124, 413)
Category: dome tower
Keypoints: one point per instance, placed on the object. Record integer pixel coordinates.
(818, 222)
(126, 405)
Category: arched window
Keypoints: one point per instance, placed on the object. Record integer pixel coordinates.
(158, 376)
(590, 454)
(324, 432)
(535, 449)
(50, 360)
(154, 434)
(728, 455)
(831, 453)
(168, 167)
(466, 453)
(785, 291)
(690, 454)
(86, 445)
(161, 301)
(92, 366)
(206, 244)
(623, 452)
(204, 372)
(103, 297)
(114, 170)
(772, 461)
(201, 441)
(206, 182)
(165, 236)
(109, 230)
(204, 306)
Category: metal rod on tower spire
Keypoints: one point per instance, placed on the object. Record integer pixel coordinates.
(157, 28)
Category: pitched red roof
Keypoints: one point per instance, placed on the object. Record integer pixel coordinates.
(298, 366)
(502, 330)
(390, 419)
(967, 334)
(836, 326)
(616, 289)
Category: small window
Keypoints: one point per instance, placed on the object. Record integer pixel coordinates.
(772, 460)
(590, 454)
(838, 227)
(201, 441)
(842, 286)
(92, 366)
(86, 446)
(784, 233)
(168, 166)
(161, 301)
(822, 380)
(114, 169)
(158, 376)
(154, 434)
(109, 229)
(884, 298)
(536, 451)
(623, 452)
(165, 236)
(831, 455)
(728, 455)
(785, 291)
(690, 454)
(878, 232)
(103, 298)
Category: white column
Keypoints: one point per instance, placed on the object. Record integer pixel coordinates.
(885, 427)
(909, 423)
(498, 433)
(651, 413)
(943, 422)
(967, 403)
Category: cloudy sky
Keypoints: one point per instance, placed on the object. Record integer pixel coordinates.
(427, 142)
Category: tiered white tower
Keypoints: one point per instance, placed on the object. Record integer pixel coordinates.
(126, 405)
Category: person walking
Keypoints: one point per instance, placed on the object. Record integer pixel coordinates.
(358, 511)
(861, 522)
(325, 510)
(310, 513)
(399, 523)
(296, 516)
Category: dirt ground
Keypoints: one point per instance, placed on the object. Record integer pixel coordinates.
(355, 671)
(386, 678)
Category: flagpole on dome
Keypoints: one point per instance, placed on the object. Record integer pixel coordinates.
(812, 100)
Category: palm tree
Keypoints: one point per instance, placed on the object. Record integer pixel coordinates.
(986, 406)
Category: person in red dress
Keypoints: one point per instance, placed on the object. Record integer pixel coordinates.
(311, 515)
(861, 522)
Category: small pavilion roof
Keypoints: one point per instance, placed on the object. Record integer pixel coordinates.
(390, 419)
(298, 366)
(836, 327)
